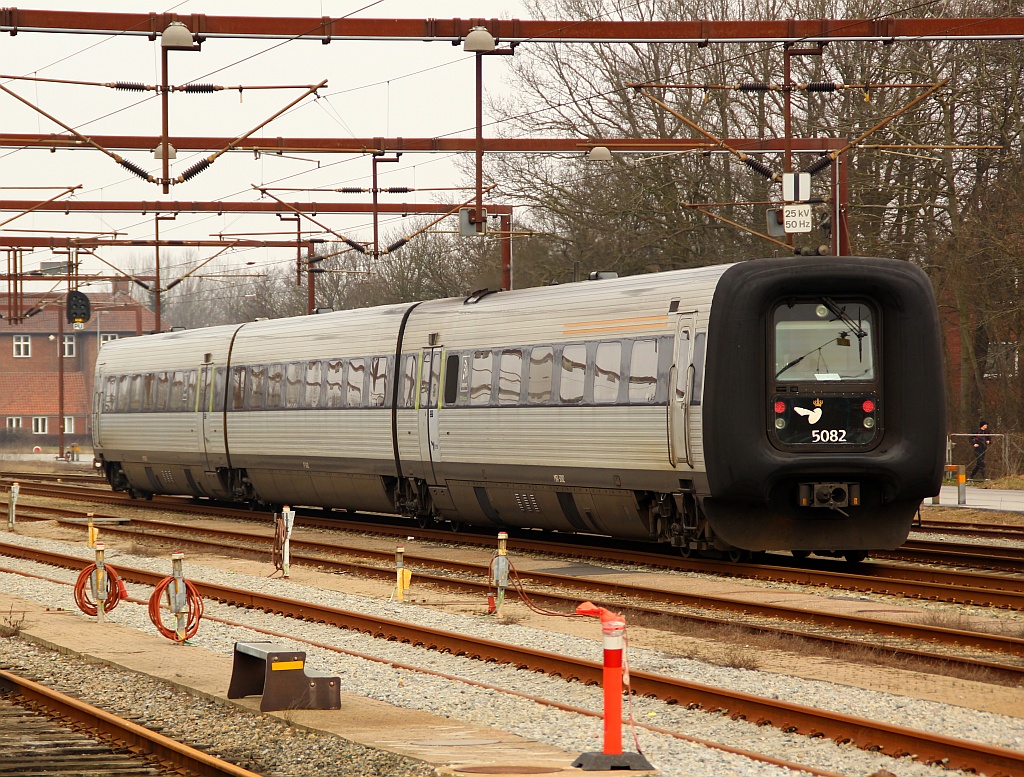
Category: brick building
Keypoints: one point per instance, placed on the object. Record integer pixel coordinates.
(30, 396)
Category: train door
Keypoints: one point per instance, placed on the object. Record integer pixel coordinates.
(210, 415)
(429, 411)
(680, 387)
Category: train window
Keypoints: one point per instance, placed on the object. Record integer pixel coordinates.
(148, 391)
(697, 392)
(480, 386)
(190, 390)
(335, 387)
(237, 388)
(122, 393)
(275, 387)
(408, 396)
(510, 376)
(135, 394)
(823, 340)
(176, 399)
(314, 384)
(163, 392)
(682, 363)
(435, 379)
(643, 372)
(538, 392)
(110, 394)
(425, 373)
(574, 372)
(257, 387)
(217, 401)
(293, 384)
(451, 379)
(607, 373)
(378, 381)
(355, 382)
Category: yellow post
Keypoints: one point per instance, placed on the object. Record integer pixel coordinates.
(400, 583)
(94, 532)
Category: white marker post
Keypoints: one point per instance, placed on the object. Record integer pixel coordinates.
(288, 516)
(11, 503)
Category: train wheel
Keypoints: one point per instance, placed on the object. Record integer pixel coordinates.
(454, 526)
(855, 556)
(800, 554)
(686, 551)
(423, 520)
(737, 555)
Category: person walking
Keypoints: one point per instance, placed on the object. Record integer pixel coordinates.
(979, 444)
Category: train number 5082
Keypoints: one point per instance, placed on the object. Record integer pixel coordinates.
(828, 435)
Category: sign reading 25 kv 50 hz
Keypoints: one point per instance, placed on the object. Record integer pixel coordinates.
(797, 218)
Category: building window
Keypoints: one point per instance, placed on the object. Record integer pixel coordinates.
(13, 422)
(69, 424)
(69, 346)
(105, 338)
(22, 346)
(39, 425)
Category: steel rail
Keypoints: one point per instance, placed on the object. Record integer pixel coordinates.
(874, 627)
(108, 726)
(961, 587)
(896, 741)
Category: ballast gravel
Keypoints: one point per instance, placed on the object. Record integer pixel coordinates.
(275, 745)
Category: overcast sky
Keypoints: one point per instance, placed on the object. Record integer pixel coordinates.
(389, 89)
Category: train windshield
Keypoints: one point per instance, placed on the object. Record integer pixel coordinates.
(824, 340)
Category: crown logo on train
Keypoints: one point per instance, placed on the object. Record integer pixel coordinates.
(819, 402)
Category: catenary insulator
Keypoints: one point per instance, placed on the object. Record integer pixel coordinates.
(357, 246)
(823, 86)
(397, 244)
(134, 168)
(818, 165)
(129, 86)
(195, 170)
(398, 190)
(193, 88)
(351, 190)
(759, 167)
(753, 86)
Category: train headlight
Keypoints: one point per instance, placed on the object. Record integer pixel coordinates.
(821, 311)
(869, 423)
(780, 423)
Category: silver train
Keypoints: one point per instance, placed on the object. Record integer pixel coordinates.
(776, 404)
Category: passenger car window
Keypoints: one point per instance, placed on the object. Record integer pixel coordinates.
(451, 379)
(163, 392)
(480, 387)
(354, 383)
(257, 386)
(314, 384)
(378, 381)
(607, 377)
(574, 371)
(135, 394)
(335, 387)
(293, 384)
(539, 388)
(408, 395)
(643, 372)
(237, 388)
(275, 379)
(510, 376)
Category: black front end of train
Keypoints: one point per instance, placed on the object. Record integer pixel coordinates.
(824, 404)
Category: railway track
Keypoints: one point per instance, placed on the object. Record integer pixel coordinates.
(910, 581)
(1005, 664)
(45, 732)
(869, 734)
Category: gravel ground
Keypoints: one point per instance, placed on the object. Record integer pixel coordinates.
(571, 732)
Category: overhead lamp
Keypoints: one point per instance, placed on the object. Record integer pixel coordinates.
(478, 40)
(599, 154)
(158, 152)
(177, 36)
